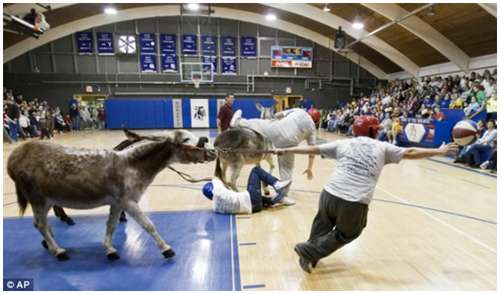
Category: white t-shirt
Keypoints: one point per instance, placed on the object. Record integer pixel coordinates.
(24, 121)
(359, 164)
(295, 127)
(228, 201)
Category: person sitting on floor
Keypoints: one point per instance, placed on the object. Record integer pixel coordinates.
(227, 201)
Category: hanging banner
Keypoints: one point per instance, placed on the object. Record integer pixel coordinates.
(229, 66)
(148, 63)
(177, 113)
(168, 44)
(199, 113)
(84, 42)
(212, 60)
(249, 46)
(105, 43)
(168, 63)
(148, 43)
(189, 44)
(209, 45)
(168, 49)
(228, 44)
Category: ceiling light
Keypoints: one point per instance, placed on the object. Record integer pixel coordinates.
(271, 17)
(358, 25)
(326, 9)
(193, 6)
(110, 10)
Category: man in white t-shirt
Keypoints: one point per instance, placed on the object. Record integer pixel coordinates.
(250, 201)
(291, 127)
(343, 204)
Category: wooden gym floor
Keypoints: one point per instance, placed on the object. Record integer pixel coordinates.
(431, 226)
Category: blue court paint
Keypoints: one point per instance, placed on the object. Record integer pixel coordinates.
(201, 240)
(186, 113)
(254, 286)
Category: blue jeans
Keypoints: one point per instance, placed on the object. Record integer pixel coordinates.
(13, 130)
(75, 123)
(475, 152)
(255, 179)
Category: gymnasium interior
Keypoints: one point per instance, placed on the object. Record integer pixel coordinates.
(84, 75)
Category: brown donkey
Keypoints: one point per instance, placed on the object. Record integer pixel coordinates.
(47, 174)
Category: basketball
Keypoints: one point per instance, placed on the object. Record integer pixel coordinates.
(366, 125)
(315, 114)
(464, 132)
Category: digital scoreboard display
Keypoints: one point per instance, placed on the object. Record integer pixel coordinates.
(291, 57)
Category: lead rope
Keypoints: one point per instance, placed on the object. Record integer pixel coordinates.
(188, 177)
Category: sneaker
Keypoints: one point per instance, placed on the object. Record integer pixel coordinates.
(280, 198)
(280, 185)
(287, 201)
(484, 165)
(305, 264)
(235, 120)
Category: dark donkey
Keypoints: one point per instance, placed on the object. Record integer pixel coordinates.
(47, 174)
(237, 147)
(133, 138)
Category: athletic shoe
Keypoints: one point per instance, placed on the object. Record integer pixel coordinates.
(304, 263)
(235, 120)
(484, 165)
(287, 201)
(280, 198)
(280, 185)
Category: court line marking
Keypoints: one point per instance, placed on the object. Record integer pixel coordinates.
(254, 286)
(232, 253)
(473, 239)
(248, 243)
(463, 168)
(474, 183)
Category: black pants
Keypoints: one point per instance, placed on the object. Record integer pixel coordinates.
(337, 223)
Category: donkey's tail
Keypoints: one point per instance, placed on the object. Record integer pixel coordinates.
(22, 201)
(218, 170)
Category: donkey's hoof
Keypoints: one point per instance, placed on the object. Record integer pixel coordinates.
(113, 256)
(44, 244)
(63, 256)
(68, 221)
(168, 253)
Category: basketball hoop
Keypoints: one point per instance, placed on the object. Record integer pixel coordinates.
(196, 77)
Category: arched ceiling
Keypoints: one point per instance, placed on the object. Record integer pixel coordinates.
(451, 33)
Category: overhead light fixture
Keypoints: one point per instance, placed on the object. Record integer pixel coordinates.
(271, 17)
(358, 25)
(326, 9)
(193, 6)
(110, 10)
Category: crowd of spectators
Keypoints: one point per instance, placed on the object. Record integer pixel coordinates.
(33, 118)
(420, 98)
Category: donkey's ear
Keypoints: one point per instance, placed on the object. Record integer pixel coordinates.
(259, 106)
(131, 135)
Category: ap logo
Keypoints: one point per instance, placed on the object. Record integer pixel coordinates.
(18, 284)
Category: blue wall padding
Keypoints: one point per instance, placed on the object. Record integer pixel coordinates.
(157, 113)
(186, 113)
(212, 110)
(247, 105)
(139, 113)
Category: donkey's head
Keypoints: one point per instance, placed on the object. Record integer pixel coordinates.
(265, 112)
(180, 146)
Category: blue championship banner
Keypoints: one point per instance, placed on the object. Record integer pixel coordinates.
(148, 52)
(228, 46)
(229, 66)
(209, 45)
(291, 57)
(168, 49)
(84, 42)
(189, 44)
(248, 46)
(212, 60)
(105, 43)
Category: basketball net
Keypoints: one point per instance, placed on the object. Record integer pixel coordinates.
(196, 82)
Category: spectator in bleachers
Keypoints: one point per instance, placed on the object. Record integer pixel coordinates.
(472, 107)
(485, 144)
